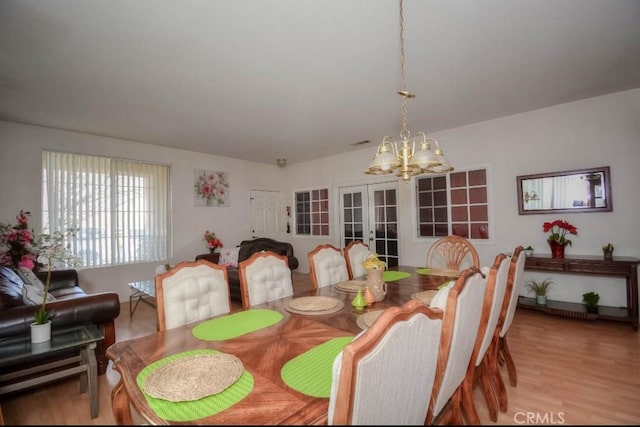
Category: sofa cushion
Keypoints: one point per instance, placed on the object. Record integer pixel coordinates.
(229, 257)
(33, 294)
(10, 288)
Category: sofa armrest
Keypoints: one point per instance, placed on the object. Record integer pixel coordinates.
(95, 308)
(209, 257)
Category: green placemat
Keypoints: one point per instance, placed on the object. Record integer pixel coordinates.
(310, 373)
(424, 271)
(236, 324)
(390, 276)
(193, 410)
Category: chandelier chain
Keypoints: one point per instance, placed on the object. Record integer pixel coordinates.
(405, 131)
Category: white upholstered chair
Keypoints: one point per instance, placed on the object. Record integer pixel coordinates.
(327, 266)
(191, 291)
(355, 253)
(264, 276)
(452, 253)
(499, 347)
(479, 370)
(385, 375)
(461, 305)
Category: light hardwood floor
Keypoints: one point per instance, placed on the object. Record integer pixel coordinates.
(570, 371)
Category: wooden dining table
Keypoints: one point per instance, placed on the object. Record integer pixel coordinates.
(263, 353)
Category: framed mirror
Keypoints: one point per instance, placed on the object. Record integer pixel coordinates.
(575, 191)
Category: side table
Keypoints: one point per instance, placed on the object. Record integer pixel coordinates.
(20, 349)
(142, 291)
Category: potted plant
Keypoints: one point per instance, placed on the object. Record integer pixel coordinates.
(607, 251)
(540, 289)
(51, 252)
(558, 238)
(528, 251)
(591, 300)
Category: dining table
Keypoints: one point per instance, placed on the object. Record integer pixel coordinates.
(285, 360)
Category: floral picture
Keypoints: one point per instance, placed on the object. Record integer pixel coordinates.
(211, 188)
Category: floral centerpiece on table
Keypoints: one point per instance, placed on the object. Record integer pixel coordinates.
(17, 246)
(372, 262)
(212, 241)
(559, 230)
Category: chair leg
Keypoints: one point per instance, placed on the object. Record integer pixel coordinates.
(511, 367)
(488, 388)
(468, 405)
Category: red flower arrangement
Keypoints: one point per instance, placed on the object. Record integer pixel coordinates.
(212, 241)
(559, 230)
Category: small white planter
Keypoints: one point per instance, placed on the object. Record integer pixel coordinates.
(541, 299)
(40, 333)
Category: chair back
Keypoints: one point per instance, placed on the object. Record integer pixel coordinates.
(327, 266)
(497, 277)
(385, 375)
(515, 283)
(191, 291)
(453, 253)
(460, 322)
(355, 253)
(265, 276)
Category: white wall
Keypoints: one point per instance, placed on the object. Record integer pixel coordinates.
(20, 188)
(602, 131)
(594, 132)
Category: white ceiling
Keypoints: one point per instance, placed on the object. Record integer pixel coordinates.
(302, 79)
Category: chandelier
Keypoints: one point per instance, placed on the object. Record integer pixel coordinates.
(415, 156)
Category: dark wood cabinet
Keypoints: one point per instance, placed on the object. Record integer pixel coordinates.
(626, 267)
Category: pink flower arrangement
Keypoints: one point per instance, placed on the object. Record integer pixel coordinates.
(17, 247)
(212, 241)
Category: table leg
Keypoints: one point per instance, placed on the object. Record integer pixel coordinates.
(120, 404)
(90, 379)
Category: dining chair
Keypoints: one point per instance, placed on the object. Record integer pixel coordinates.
(385, 375)
(479, 369)
(499, 348)
(264, 276)
(191, 291)
(327, 266)
(355, 253)
(461, 307)
(452, 253)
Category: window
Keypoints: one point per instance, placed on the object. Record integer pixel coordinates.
(454, 204)
(312, 212)
(121, 207)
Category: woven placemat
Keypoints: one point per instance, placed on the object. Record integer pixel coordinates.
(315, 303)
(335, 309)
(193, 377)
(351, 286)
(236, 324)
(424, 296)
(390, 276)
(438, 272)
(366, 320)
(311, 372)
(195, 409)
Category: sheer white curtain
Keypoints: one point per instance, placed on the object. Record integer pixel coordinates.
(121, 207)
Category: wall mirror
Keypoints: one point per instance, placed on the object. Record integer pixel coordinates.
(582, 190)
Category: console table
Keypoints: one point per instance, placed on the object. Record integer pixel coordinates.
(626, 267)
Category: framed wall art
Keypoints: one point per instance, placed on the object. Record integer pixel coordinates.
(211, 188)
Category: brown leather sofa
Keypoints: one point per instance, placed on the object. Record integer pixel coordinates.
(72, 305)
(248, 248)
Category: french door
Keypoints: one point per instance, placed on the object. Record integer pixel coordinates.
(370, 213)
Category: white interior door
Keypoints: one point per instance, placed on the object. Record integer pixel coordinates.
(369, 213)
(266, 214)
